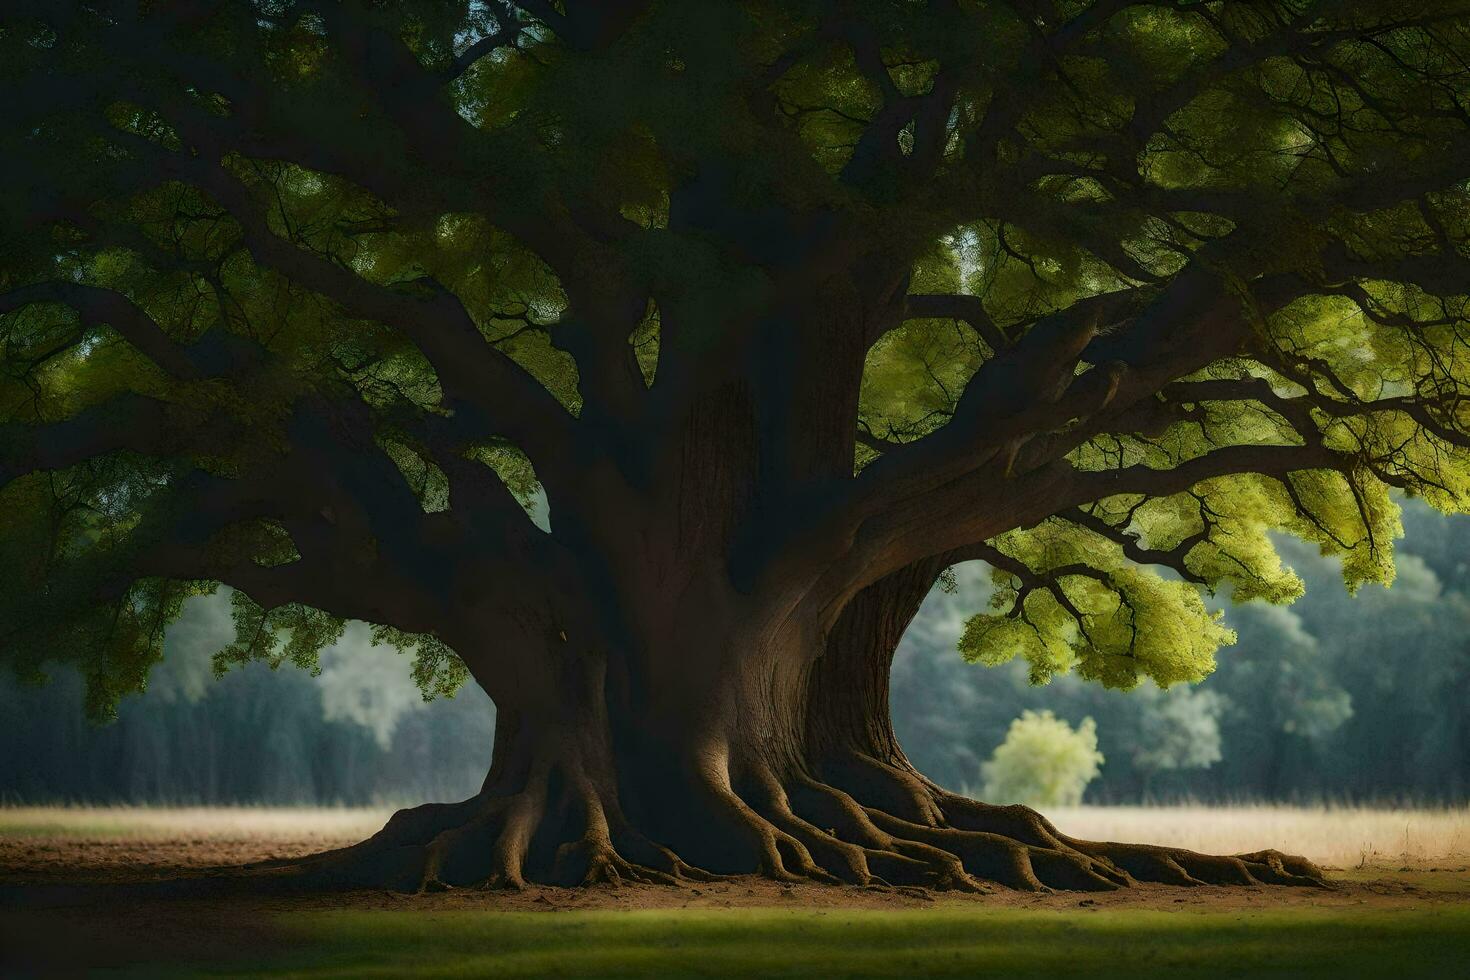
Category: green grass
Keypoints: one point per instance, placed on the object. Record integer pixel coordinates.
(954, 941)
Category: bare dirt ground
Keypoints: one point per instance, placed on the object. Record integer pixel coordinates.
(56, 857)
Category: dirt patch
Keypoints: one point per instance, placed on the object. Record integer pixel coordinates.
(40, 859)
(62, 871)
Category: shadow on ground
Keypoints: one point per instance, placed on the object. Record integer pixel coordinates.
(1374, 923)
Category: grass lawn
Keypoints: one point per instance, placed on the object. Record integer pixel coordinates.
(954, 941)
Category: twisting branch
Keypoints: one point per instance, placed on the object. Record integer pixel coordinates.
(970, 309)
(177, 540)
(1273, 461)
(131, 422)
(981, 504)
(506, 36)
(472, 372)
(1034, 387)
(587, 25)
(1175, 558)
(96, 304)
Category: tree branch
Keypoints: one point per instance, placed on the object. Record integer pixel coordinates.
(1174, 558)
(125, 422)
(96, 304)
(971, 309)
(471, 372)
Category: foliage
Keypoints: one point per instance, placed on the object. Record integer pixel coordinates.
(312, 300)
(1043, 762)
(436, 670)
(1111, 621)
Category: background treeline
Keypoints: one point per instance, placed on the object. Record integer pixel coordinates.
(1334, 698)
(357, 733)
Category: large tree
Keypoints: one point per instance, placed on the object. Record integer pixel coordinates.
(786, 307)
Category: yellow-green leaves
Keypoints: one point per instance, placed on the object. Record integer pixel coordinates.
(290, 633)
(1121, 598)
(1039, 632)
(1226, 525)
(1068, 599)
(1043, 761)
(437, 670)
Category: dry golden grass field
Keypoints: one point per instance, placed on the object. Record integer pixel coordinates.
(1337, 837)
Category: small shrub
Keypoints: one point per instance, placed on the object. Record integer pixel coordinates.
(1042, 762)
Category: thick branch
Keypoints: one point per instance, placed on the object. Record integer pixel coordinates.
(126, 422)
(970, 309)
(471, 372)
(984, 503)
(177, 542)
(96, 304)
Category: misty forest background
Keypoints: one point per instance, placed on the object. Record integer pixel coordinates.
(1335, 699)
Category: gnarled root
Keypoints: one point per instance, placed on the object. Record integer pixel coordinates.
(1141, 862)
(850, 848)
(564, 835)
(566, 829)
(1017, 847)
(1177, 866)
(802, 828)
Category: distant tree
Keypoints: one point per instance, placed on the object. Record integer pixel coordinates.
(1360, 697)
(1043, 762)
(948, 716)
(1286, 700)
(1177, 733)
(256, 736)
(786, 306)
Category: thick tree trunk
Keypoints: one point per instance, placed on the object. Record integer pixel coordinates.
(851, 743)
(848, 724)
(733, 741)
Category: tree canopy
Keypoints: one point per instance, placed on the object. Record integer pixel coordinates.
(309, 298)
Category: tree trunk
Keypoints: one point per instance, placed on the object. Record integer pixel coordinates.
(849, 727)
(697, 732)
(732, 739)
(851, 744)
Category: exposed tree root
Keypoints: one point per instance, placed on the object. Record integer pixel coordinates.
(1140, 862)
(657, 857)
(566, 831)
(1016, 847)
(560, 836)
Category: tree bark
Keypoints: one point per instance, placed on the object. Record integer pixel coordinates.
(849, 728)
